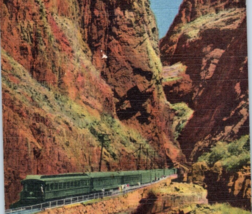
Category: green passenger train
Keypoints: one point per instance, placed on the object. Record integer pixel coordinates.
(42, 188)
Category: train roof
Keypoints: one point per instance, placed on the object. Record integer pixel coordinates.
(72, 176)
(56, 177)
(68, 176)
(104, 174)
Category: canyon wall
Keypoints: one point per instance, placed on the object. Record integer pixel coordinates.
(78, 76)
(235, 187)
(204, 54)
(208, 43)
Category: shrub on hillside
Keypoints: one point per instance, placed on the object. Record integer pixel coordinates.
(232, 156)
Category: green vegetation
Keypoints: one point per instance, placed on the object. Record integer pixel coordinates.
(232, 156)
(225, 19)
(173, 72)
(169, 79)
(119, 136)
(218, 20)
(182, 115)
(227, 209)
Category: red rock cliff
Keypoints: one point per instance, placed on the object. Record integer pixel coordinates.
(209, 39)
(236, 186)
(77, 74)
(205, 54)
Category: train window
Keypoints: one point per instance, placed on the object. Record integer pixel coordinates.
(51, 186)
(60, 185)
(75, 183)
(47, 187)
(25, 187)
(68, 184)
(56, 186)
(64, 185)
(30, 187)
(72, 184)
(78, 183)
(99, 182)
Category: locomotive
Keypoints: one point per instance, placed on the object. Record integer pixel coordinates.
(41, 188)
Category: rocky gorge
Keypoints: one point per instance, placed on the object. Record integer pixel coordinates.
(80, 74)
(204, 54)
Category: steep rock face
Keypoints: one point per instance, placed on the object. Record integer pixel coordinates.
(221, 111)
(126, 33)
(209, 39)
(198, 37)
(71, 72)
(235, 187)
(205, 57)
(120, 38)
(189, 11)
(51, 48)
(46, 132)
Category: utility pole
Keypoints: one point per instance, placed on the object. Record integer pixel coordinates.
(101, 157)
(102, 139)
(119, 161)
(147, 156)
(154, 156)
(139, 157)
(153, 161)
(164, 162)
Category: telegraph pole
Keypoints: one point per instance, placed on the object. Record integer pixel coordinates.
(139, 157)
(147, 156)
(101, 155)
(153, 159)
(102, 139)
(153, 164)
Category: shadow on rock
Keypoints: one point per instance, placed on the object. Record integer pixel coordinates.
(147, 204)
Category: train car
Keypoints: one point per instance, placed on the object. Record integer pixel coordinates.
(40, 188)
(105, 180)
(168, 172)
(145, 176)
(66, 185)
(131, 177)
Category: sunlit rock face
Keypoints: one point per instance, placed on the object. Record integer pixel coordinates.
(204, 54)
(72, 73)
(207, 42)
(236, 186)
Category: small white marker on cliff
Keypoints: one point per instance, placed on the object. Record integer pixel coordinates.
(104, 56)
